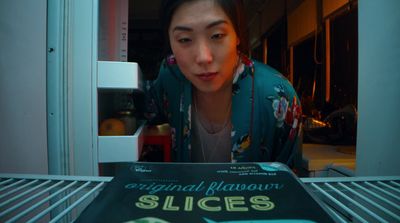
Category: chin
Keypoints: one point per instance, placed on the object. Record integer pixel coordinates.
(207, 89)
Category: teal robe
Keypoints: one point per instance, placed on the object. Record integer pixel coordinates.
(265, 118)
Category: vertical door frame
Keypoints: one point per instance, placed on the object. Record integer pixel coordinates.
(71, 87)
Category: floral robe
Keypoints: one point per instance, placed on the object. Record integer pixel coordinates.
(265, 118)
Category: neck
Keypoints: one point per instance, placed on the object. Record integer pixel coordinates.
(214, 107)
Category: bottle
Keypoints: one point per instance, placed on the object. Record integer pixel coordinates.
(129, 120)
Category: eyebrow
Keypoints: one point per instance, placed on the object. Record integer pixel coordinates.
(185, 28)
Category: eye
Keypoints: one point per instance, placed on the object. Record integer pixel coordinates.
(218, 36)
(184, 40)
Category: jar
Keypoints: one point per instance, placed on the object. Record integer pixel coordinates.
(129, 119)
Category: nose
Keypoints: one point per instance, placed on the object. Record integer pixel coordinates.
(204, 53)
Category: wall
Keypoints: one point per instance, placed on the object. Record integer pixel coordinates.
(378, 147)
(264, 15)
(23, 137)
(263, 19)
(302, 17)
(329, 6)
(302, 21)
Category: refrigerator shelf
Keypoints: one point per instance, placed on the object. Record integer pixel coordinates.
(359, 199)
(46, 198)
(121, 148)
(116, 75)
(53, 198)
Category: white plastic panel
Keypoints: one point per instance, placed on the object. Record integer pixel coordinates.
(118, 75)
(120, 148)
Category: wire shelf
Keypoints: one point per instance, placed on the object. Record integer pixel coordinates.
(51, 198)
(359, 199)
(46, 198)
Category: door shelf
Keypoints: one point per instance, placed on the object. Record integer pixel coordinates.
(121, 148)
(115, 75)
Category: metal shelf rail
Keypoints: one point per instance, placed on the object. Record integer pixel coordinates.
(46, 198)
(359, 199)
(51, 198)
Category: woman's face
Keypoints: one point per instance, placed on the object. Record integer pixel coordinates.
(204, 43)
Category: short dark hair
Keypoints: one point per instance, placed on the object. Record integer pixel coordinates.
(234, 9)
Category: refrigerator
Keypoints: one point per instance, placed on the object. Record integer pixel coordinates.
(101, 85)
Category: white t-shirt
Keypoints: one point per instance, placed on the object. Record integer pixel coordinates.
(210, 147)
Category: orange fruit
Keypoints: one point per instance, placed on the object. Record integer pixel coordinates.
(112, 127)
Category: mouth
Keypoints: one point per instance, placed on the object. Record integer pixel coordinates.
(207, 76)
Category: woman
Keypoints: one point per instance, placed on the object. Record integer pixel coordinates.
(221, 106)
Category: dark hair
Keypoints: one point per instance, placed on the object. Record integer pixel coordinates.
(234, 9)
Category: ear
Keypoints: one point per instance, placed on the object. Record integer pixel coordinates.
(171, 59)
